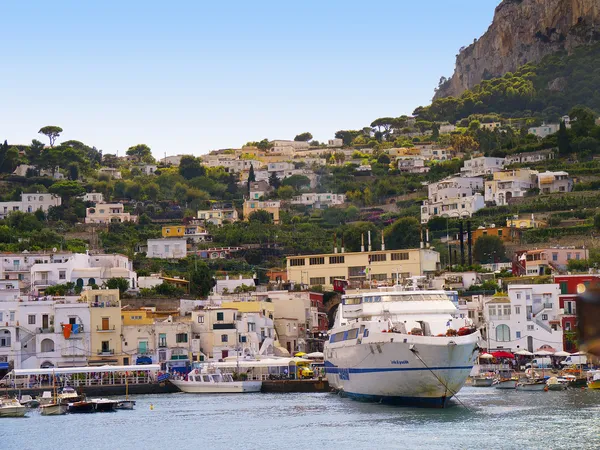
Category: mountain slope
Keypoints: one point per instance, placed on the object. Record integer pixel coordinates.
(523, 31)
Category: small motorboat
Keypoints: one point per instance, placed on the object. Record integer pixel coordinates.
(53, 409)
(593, 379)
(557, 384)
(505, 383)
(28, 401)
(212, 381)
(482, 381)
(46, 398)
(104, 404)
(10, 407)
(69, 395)
(81, 407)
(126, 404)
(532, 385)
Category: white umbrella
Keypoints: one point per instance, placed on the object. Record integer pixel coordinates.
(543, 353)
(562, 353)
(578, 354)
(486, 356)
(524, 353)
(315, 355)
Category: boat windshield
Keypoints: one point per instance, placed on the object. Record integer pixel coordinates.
(228, 378)
(216, 378)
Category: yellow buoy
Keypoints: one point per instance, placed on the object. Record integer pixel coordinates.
(151, 407)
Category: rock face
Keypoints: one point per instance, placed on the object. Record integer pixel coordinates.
(524, 31)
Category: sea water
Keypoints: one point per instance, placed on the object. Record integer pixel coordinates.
(485, 418)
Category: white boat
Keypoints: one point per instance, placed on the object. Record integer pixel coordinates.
(29, 401)
(532, 385)
(400, 346)
(505, 383)
(10, 407)
(482, 381)
(46, 398)
(557, 383)
(212, 381)
(126, 404)
(53, 409)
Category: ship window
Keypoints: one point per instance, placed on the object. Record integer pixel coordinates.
(353, 301)
(352, 334)
(337, 337)
(366, 333)
(206, 378)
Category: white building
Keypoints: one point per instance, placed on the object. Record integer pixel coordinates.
(174, 160)
(167, 248)
(530, 157)
(228, 285)
(319, 200)
(30, 203)
(147, 169)
(278, 145)
(551, 182)
(94, 197)
(544, 130)
(235, 165)
(280, 168)
(525, 320)
(412, 164)
(447, 128)
(111, 172)
(335, 143)
(510, 184)
(259, 190)
(483, 165)
(453, 197)
(16, 267)
(83, 270)
(108, 213)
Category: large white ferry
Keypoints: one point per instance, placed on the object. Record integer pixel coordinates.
(400, 346)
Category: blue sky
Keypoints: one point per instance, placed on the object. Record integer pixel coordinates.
(192, 76)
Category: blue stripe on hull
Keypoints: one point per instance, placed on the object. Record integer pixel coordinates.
(421, 402)
(333, 369)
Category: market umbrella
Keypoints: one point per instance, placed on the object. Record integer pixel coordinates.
(502, 354)
(523, 353)
(543, 353)
(486, 356)
(315, 355)
(562, 353)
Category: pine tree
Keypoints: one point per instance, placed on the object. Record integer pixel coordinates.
(274, 181)
(564, 144)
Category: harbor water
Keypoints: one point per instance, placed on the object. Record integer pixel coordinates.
(490, 418)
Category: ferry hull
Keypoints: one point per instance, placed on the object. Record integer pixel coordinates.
(404, 370)
(236, 387)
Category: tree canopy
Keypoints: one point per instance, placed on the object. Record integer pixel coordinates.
(51, 132)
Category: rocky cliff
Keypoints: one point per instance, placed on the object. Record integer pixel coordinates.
(523, 31)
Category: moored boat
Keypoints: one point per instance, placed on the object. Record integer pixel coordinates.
(506, 379)
(212, 381)
(400, 346)
(104, 404)
(557, 384)
(53, 409)
(46, 398)
(482, 381)
(532, 385)
(81, 407)
(10, 407)
(593, 379)
(28, 401)
(126, 404)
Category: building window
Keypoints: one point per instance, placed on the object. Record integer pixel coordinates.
(544, 316)
(518, 334)
(162, 340)
(359, 271)
(181, 337)
(332, 279)
(378, 257)
(251, 327)
(316, 261)
(317, 281)
(529, 327)
(502, 333)
(400, 256)
(62, 274)
(567, 326)
(564, 288)
(220, 316)
(337, 260)
(200, 319)
(224, 338)
(297, 262)
(379, 276)
(517, 310)
(31, 319)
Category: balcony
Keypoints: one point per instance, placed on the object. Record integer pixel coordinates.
(500, 317)
(101, 329)
(548, 305)
(44, 283)
(105, 352)
(73, 335)
(104, 305)
(224, 326)
(45, 330)
(72, 351)
(17, 269)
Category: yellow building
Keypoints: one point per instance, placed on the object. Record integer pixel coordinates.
(105, 326)
(132, 317)
(525, 223)
(271, 207)
(182, 230)
(267, 309)
(380, 266)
